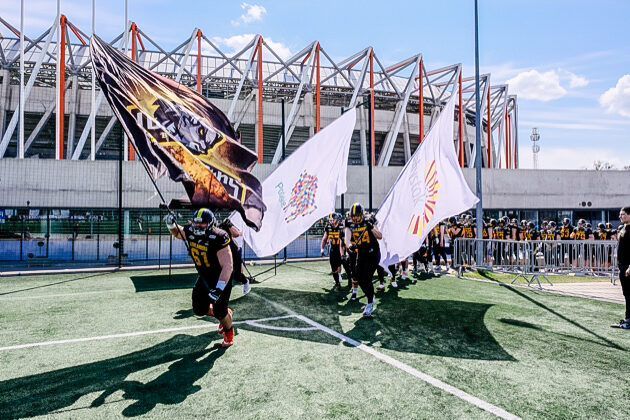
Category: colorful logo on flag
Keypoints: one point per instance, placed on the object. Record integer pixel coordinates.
(423, 216)
(302, 201)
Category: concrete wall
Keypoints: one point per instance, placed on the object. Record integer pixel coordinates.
(94, 184)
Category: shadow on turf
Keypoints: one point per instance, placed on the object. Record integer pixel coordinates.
(434, 327)
(53, 284)
(44, 393)
(603, 340)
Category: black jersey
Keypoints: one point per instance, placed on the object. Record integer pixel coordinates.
(565, 232)
(455, 231)
(532, 235)
(548, 235)
(362, 237)
(468, 232)
(484, 233)
(623, 249)
(581, 234)
(498, 232)
(335, 234)
(204, 248)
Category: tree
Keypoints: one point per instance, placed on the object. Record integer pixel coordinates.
(602, 165)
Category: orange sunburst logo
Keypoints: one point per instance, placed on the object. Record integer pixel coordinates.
(431, 187)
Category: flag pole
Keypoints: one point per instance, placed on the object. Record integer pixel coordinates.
(478, 163)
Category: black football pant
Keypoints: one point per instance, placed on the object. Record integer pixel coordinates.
(237, 269)
(201, 301)
(381, 274)
(367, 262)
(438, 251)
(625, 287)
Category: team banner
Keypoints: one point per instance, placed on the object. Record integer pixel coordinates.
(179, 133)
(303, 188)
(430, 188)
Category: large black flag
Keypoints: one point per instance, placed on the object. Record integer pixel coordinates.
(179, 133)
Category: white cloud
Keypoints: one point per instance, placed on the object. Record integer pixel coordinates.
(535, 85)
(569, 158)
(577, 81)
(253, 13)
(238, 42)
(617, 99)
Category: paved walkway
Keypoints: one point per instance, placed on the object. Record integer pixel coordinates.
(593, 290)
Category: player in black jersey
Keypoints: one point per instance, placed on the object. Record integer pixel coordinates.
(438, 244)
(237, 261)
(210, 251)
(333, 234)
(361, 235)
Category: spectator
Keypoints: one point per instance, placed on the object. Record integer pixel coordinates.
(623, 258)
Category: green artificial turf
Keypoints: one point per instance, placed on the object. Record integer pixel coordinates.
(534, 354)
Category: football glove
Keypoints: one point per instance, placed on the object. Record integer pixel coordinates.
(214, 295)
(369, 224)
(322, 252)
(170, 221)
(353, 248)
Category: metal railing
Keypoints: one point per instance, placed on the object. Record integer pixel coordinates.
(538, 258)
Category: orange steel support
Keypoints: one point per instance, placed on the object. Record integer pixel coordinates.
(199, 60)
(134, 57)
(62, 83)
(489, 130)
(317, 91)
(260, 103)
(372, 145)
(461, 123)
(507, 141)
(421, 103)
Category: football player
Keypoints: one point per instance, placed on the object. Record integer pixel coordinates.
(361, 236)
(210, 251)
(333, 234)
(438, 245)
(237, 261)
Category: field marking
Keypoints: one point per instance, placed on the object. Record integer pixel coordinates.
(486, 406)
(139, 333)
(94, 292)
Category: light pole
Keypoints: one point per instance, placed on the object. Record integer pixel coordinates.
(535, 137)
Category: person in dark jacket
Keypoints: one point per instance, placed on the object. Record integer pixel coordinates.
(623, 259)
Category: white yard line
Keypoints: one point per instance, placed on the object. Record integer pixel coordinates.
(137, 333)
(497, 411)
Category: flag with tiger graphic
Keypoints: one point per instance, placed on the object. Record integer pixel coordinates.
(430, 188)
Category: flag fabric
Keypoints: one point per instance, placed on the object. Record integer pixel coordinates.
(303, 188)
(178, 133)
(430, 188)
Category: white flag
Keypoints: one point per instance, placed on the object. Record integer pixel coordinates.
(303, 189)
(430, 188)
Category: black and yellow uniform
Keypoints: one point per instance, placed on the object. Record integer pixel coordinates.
(532, 235)
(335, 236)
(499, 232)
(484, 232)
(548, 235)
(468, 232)
(565, 232)
(368, 255)
(601, 235)
(203, 250)
(438, 244)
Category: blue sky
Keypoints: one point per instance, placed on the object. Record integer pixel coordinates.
(566, 60)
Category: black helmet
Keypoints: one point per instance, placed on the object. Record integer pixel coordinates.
(493, 222)
(545, 223)
(608, 226)
(356, 213)
(452, 220)
(589, 226)
(566, 221)
(601, 226)
(523, 222)
(581, 222)
(204, 219)
(530, 225)
(505, 220)
(552, 224)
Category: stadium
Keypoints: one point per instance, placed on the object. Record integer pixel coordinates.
(95, 288)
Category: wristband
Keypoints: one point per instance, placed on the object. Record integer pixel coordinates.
(220, 285)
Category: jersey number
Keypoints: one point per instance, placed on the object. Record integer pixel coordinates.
(198, 256)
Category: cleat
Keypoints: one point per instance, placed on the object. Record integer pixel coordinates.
(381, 286)
(228, 338)
(623, 324)
(369, 309)
(403, 276)
(220, 329)
(395, 285)
(246, 287)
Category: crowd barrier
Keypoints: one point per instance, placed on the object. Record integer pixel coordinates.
(538, 258)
